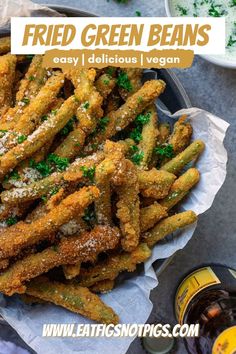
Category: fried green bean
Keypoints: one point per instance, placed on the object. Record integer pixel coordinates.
(164, 133)
(105, 84)
(73, 298)
(88, 113)
(191, 153)
(181, 136)
(155, 183)
(22, 235)
(149, 137)
(150, 215)
(82, 248)
(46, 131)
(104, 172)
(39, 105)
(7, 76)
(128, 211)
(34, 79)
(180, 188)
(120, 119)
(115, 264)
(103, 175)
(72, 144)
(169, 225)
(58, 179)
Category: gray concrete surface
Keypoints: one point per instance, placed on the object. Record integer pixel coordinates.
(211, 88)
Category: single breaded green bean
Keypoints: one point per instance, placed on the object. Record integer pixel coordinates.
(110, 268)
(90, 109)
(39, 105)
(103, 175)
(46, 131)
(181, 136)
(155, 183)
(169, 225)
(34, 79)
(180, 188)
(149, 137)
(72, 297)
(83, 248)
(164, 133)
(59, 179)
(105, 84)
(72, 144)
(191, 153)
(128, 210)
(120, 119)
(150, 215)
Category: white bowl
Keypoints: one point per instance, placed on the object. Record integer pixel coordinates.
(218, 60)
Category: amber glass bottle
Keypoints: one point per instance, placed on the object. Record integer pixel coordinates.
(207, 296)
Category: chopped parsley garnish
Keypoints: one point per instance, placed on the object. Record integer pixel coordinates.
(110, 71)
(231, 41)
(102, 124)
(88, 172)
(233, 3)
(136, 134)
(52, 163)
(137, 157)
(106, 81)
(43, 118)
(124, 82)
(214, 11)
(54, 111)
(44, 198)
(165, 151)
(21, 139)
(138, 13)
(86, 105)
(61, 163)
(31, 78)
(182, 10)
(25, 100)
(140, 121)
(14, 175)
(68, 127)
(3, 132)
(12, 220)
(42, 167)
(52, 192)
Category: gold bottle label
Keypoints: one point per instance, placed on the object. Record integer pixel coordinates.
(225, 343)
(190, 286)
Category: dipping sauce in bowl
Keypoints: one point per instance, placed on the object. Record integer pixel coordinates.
(211, 8)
